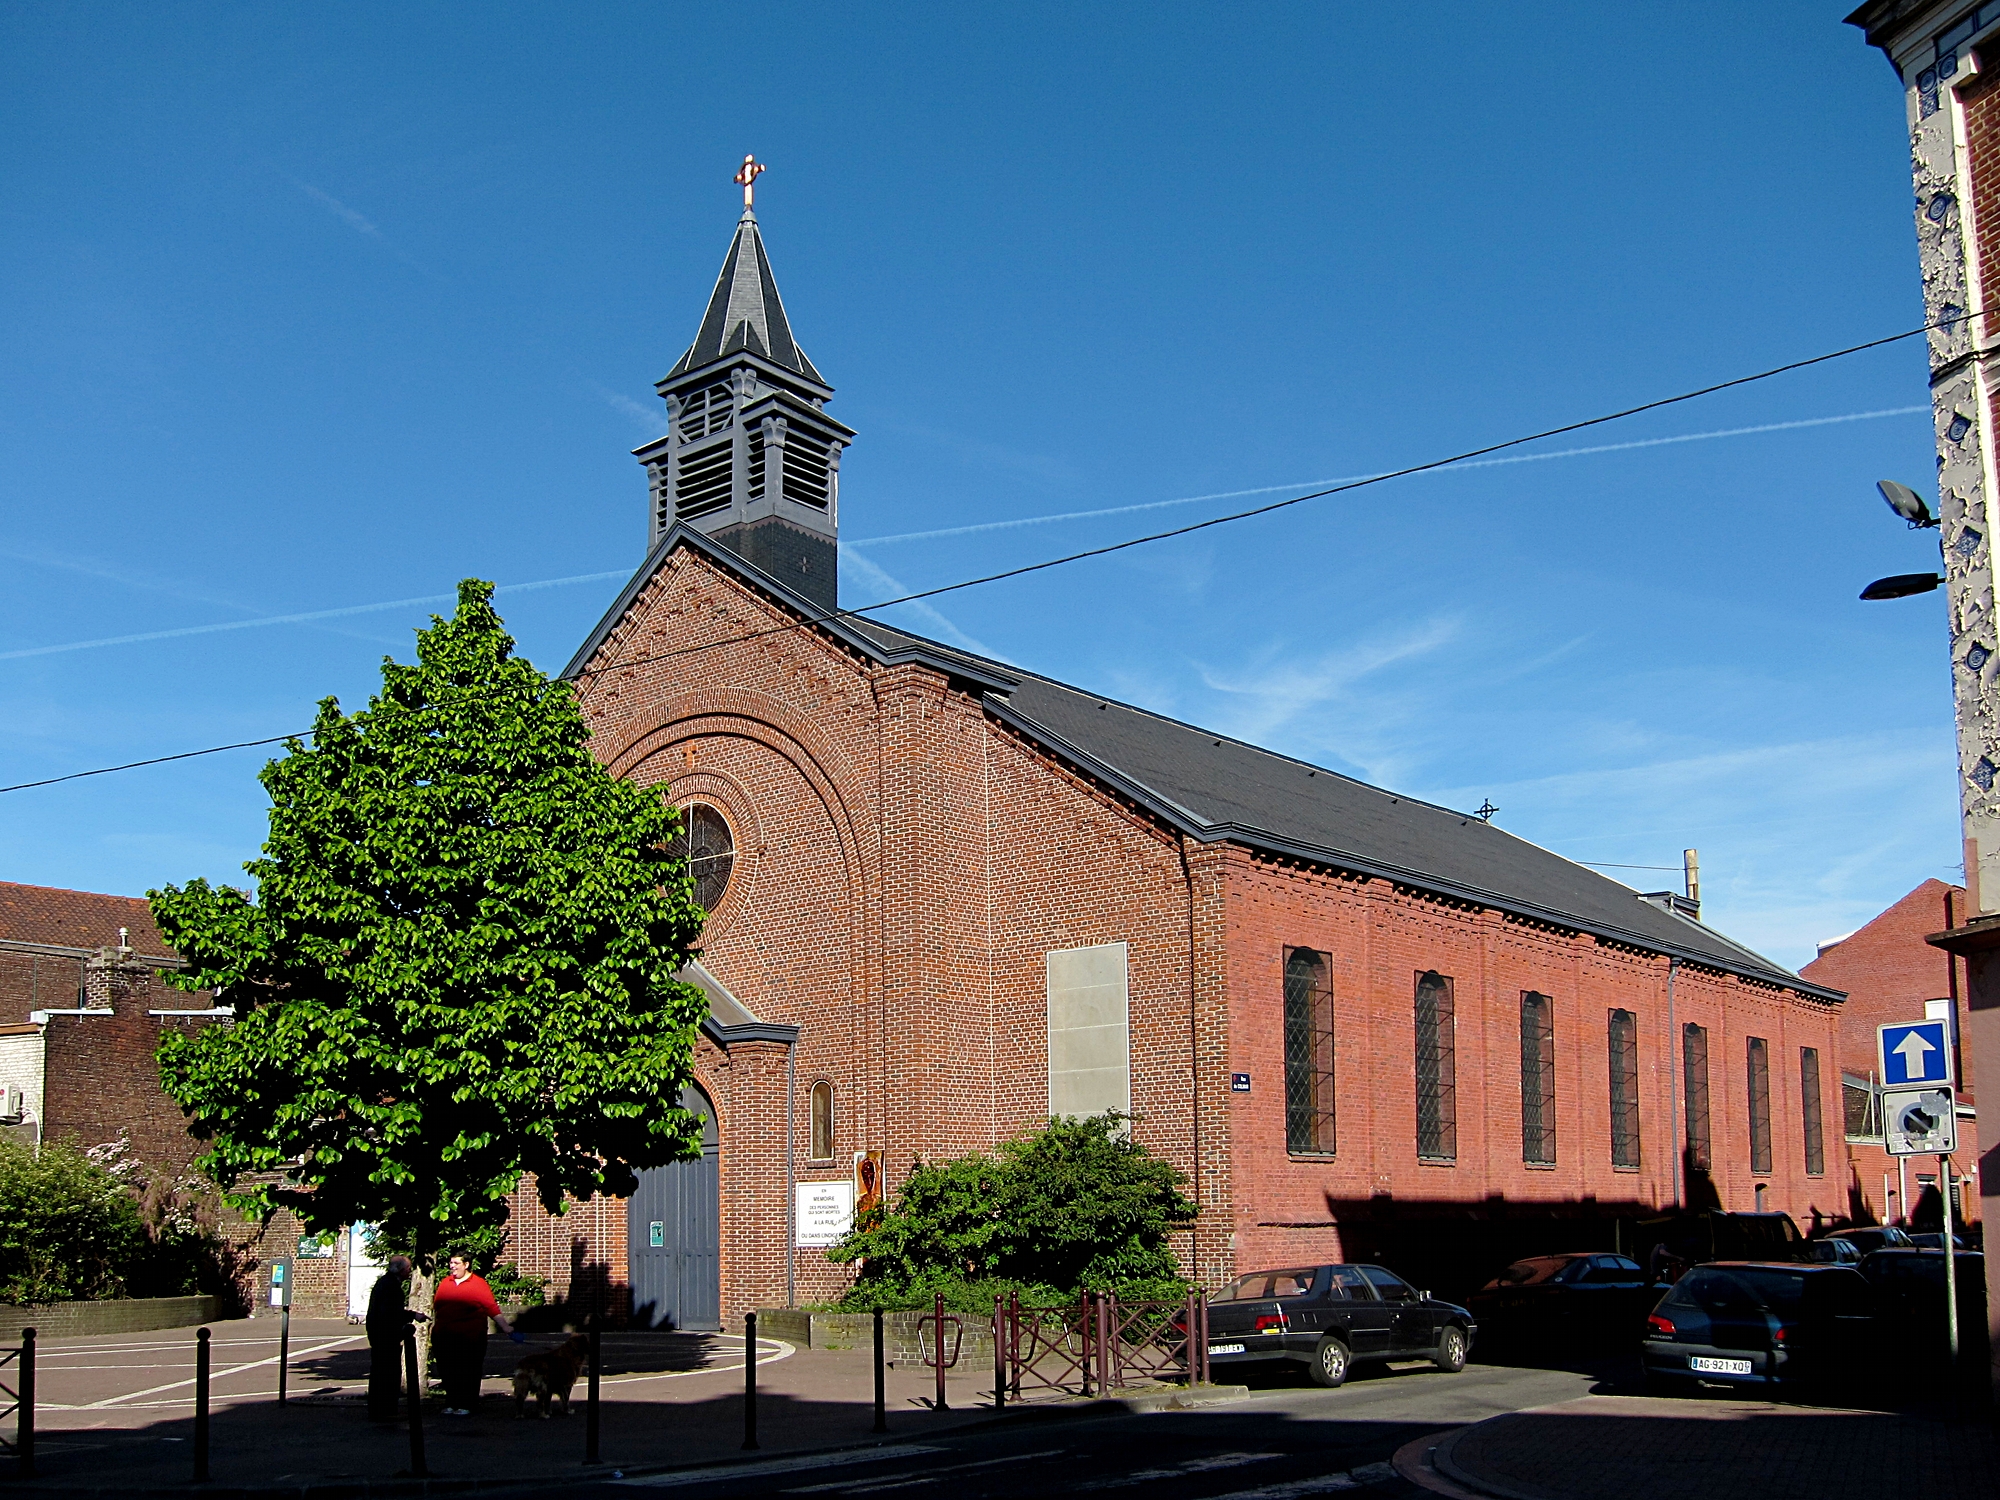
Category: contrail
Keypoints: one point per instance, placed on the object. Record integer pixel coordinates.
(299, 619)
(913, 536)
(1478, 463)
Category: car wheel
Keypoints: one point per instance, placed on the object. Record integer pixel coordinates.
(1450, 1356)
(1330, 1363)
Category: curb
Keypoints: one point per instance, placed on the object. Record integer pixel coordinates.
(1442, 1459)
(406, 1488)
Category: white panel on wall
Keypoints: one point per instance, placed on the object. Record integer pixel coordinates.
(1090, 1040)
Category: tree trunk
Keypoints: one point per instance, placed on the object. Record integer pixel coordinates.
(423, 1293)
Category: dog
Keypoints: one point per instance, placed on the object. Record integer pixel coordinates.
(553, 1372)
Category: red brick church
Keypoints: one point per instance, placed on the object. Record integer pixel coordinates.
(951, 897)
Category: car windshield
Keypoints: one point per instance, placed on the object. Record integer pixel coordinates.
(1262, 1284)
(1533, 1272)
(1781, 1291)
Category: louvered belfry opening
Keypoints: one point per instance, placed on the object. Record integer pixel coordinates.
(750, 456)
(1437, 1069)
(1309, 1084)
(1538, 1079)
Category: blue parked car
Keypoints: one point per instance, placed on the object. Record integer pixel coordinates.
(1762, 1323)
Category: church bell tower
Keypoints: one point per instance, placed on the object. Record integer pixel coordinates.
(750, 457)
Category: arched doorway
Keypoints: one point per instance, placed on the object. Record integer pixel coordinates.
(673, 1235)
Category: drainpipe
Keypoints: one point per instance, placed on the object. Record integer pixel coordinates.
(1194, 1063)
(791, 1191)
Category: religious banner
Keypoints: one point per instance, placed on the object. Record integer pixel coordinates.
(867, 1182)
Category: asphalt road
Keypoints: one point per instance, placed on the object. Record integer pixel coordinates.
(1288, 1440)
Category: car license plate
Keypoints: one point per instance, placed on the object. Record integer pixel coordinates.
(1703, 1366)
(1225, 1348)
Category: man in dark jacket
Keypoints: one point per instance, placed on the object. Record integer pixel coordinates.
(388, 1325)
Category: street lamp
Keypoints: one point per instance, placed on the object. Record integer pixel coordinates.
(1908, 504)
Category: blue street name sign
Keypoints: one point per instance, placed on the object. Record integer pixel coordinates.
(1915, 1052)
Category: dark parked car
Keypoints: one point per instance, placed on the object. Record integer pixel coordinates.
(1935, 1241)
(1691, 1239)
(1870, 1237)
(1328, 1318)
(1558, 1298)
(1834, 1251)
(1761, 1323)
(1910, 1284)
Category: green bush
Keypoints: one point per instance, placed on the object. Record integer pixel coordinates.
(1076, 1206)
(69, 1229)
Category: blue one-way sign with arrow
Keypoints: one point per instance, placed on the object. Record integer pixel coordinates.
(1915, 1052)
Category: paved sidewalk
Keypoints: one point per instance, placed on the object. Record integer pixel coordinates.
(117, 1413)
(1656, 1448)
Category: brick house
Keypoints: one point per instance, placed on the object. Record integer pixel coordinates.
(83, 1005)
(1891, 974)
(950, 897)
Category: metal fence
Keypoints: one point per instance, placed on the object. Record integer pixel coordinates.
(1101, 1344)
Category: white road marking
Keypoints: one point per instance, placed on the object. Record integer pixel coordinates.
(1192, 1466)
(726, 1472)
(929, 1476)
(1323, 1485)
(213, 1375)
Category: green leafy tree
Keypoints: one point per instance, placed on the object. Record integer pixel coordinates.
(456, 967)
(1077, 1205)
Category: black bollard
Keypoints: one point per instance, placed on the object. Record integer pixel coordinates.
(881, 1385)
(284, 1347)
(414, 1377)
(590, 1400)
(937, 1351)
(999, 1354)
(749, 1380)
(201, 1405)
(24, 1431)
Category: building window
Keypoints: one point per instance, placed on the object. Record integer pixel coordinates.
(1309, 1123)
(1437, 1070)
(822, 1121)
(1694, 1091)
(709, 849)
(1809, 1111)
(1860, 1116)
(1538, 1079)
(1760, 1106)
(1624, 1039)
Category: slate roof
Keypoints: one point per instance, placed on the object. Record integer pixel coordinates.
(1216, 788)
(744, 311)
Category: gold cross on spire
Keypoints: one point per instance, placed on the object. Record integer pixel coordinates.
(752, 169)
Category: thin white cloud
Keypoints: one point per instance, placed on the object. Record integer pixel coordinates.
(652, 420)
(1316, 484)
(354, 219)
(891, 588)
(302, 618)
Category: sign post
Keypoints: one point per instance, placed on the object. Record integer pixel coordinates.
(1920, 1118)
(281, 1298)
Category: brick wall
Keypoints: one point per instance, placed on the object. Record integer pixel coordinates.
(1889, 971)
(904, 865)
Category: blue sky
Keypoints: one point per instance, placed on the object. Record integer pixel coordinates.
(302, 310)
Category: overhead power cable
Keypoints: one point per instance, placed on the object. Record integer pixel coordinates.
(1140, 541)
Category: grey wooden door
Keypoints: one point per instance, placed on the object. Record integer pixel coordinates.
(673, 1232)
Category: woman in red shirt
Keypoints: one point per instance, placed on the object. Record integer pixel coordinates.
(459, 1311)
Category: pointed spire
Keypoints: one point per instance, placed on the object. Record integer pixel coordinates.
(744, 311)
